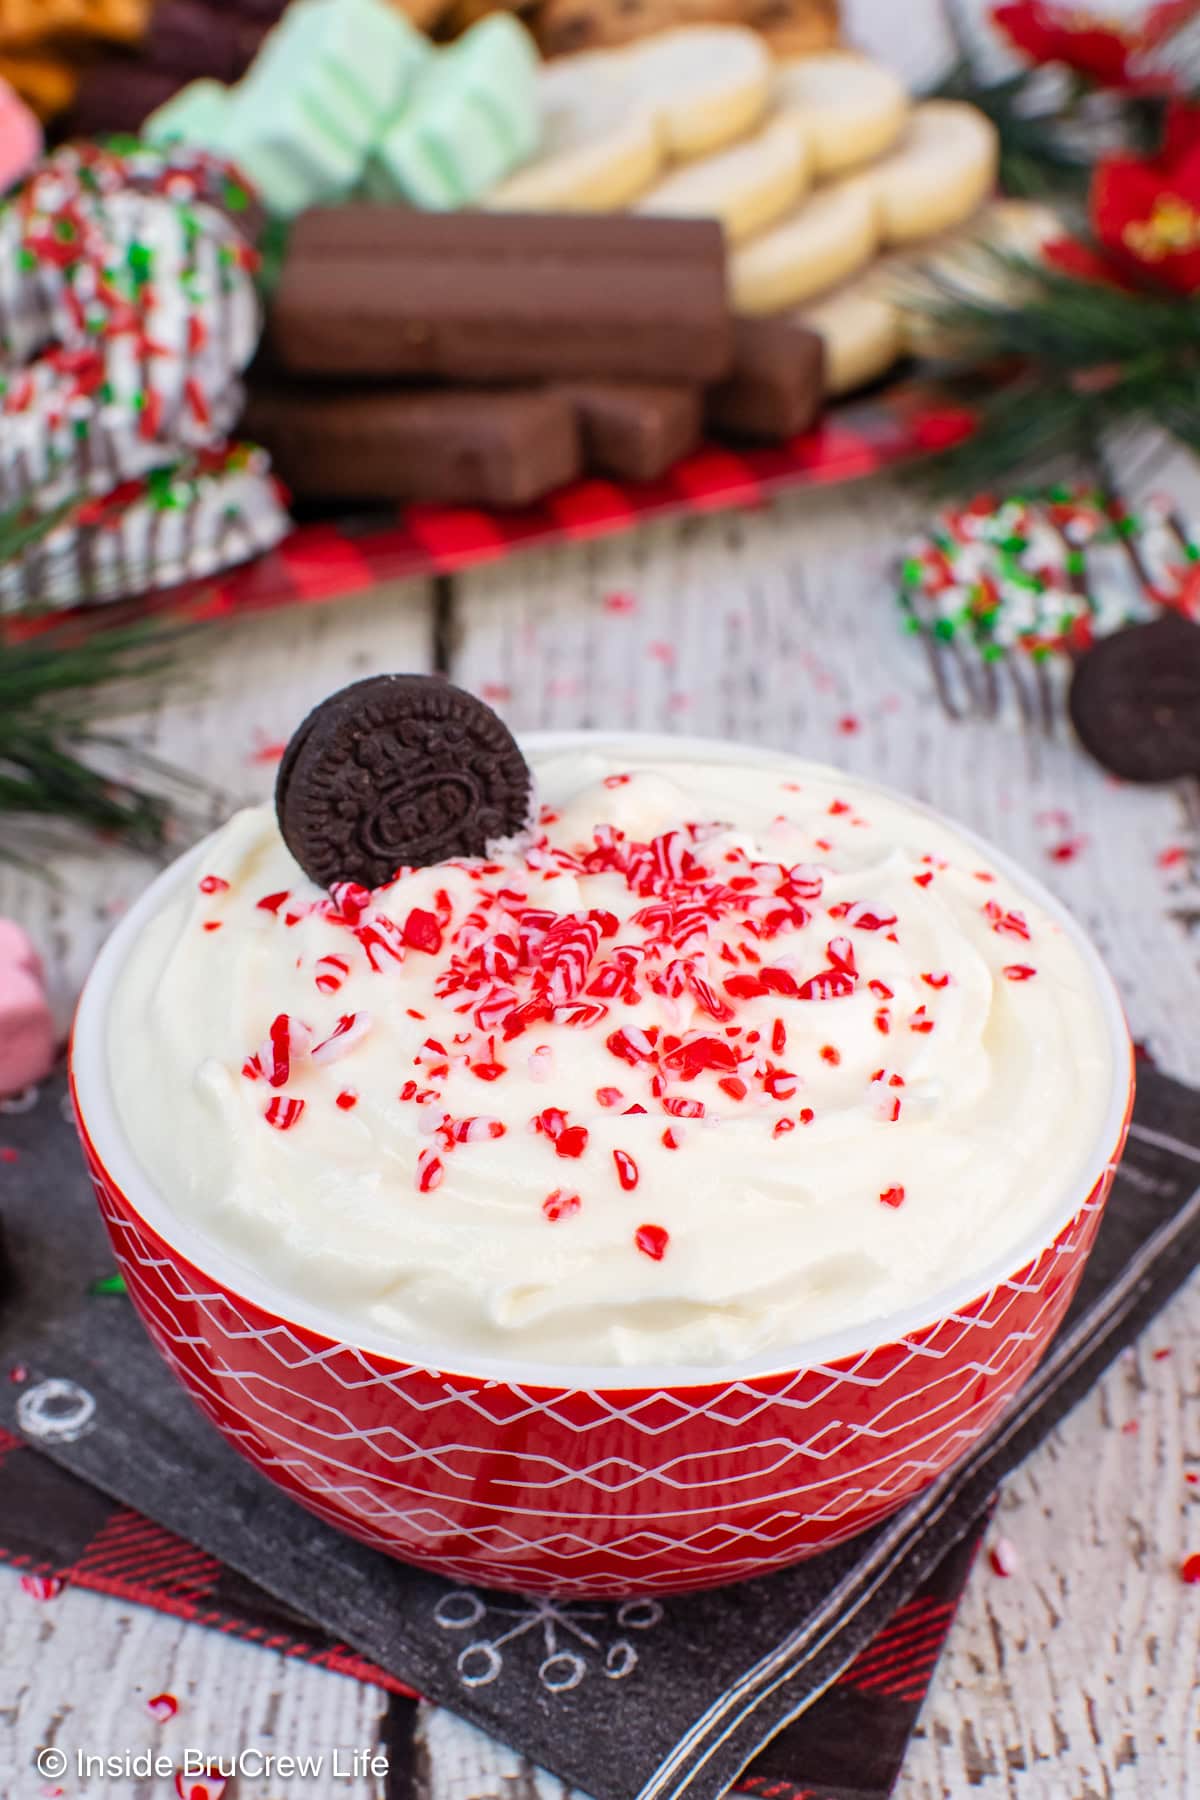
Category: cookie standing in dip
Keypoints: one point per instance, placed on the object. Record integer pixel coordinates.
(725, 1053)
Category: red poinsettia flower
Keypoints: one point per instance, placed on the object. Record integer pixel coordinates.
(1146, 215)
(1106, 51)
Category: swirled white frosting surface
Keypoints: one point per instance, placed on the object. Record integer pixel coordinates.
(728, 1054)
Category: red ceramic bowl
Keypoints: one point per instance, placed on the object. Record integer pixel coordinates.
(584, 1481)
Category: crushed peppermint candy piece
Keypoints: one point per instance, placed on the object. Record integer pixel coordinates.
(350, 1029)
(652, 1241)
(283, 1113)
(1002, 1554)
(42, 1587)
(560, 1205)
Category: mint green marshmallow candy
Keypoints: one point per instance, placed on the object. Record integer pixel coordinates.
(474, 117)
(302, 121)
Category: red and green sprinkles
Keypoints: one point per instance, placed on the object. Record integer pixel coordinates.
(1046, 573)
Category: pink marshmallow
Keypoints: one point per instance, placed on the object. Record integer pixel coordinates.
(26, 1026)
(20, 137)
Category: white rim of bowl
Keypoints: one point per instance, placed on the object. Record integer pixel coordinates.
(98, 1112)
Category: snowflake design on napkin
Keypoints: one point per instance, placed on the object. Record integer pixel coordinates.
(575, 1639)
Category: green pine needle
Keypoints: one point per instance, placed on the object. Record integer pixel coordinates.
(1077, 361)
(57, 762)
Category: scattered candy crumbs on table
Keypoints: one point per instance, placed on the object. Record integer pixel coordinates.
(1189, 1569)
(267, 751)
(8, 1154)
(619, 603)
(108, 1284)
(1130, 1428)
(199, 1787)
(18, 1373)
(1002, 1555)
(42, 1587)
(1067, 850)
(162, 1706)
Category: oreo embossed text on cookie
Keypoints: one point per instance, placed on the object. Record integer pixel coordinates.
(398, 771)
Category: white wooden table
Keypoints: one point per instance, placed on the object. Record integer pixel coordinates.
(1075, 1677)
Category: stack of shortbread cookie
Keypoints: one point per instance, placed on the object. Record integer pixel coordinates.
(829, 181)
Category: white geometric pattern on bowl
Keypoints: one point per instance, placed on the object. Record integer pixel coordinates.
(585, 1491)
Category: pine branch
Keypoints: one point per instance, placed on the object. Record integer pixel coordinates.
(55, 691)
(1081, 359)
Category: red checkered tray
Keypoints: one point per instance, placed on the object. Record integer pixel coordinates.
(330, 560)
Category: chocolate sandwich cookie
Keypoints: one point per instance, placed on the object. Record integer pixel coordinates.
(186, 40)
(398, 771)
(776, 385)
(480, 297)
(463, 449)
(634, 431)
(1135, 700)
(116, 95)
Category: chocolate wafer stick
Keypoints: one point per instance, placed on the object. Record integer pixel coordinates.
(478, 297)
(632, 430)
(776, 385)
(465, 449)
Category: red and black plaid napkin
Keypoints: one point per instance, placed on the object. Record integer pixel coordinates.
(57, 1530)
(804, 1683)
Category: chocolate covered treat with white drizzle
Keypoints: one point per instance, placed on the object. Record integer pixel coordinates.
(127, 313)
(182, 522)
(1004, 595)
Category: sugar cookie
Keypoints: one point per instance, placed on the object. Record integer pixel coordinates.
(943, 168)
(830, 235)
(746, 187)
(862, 331)
(708, 84)
(601, 145)
(853, 109)
(472, 119)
